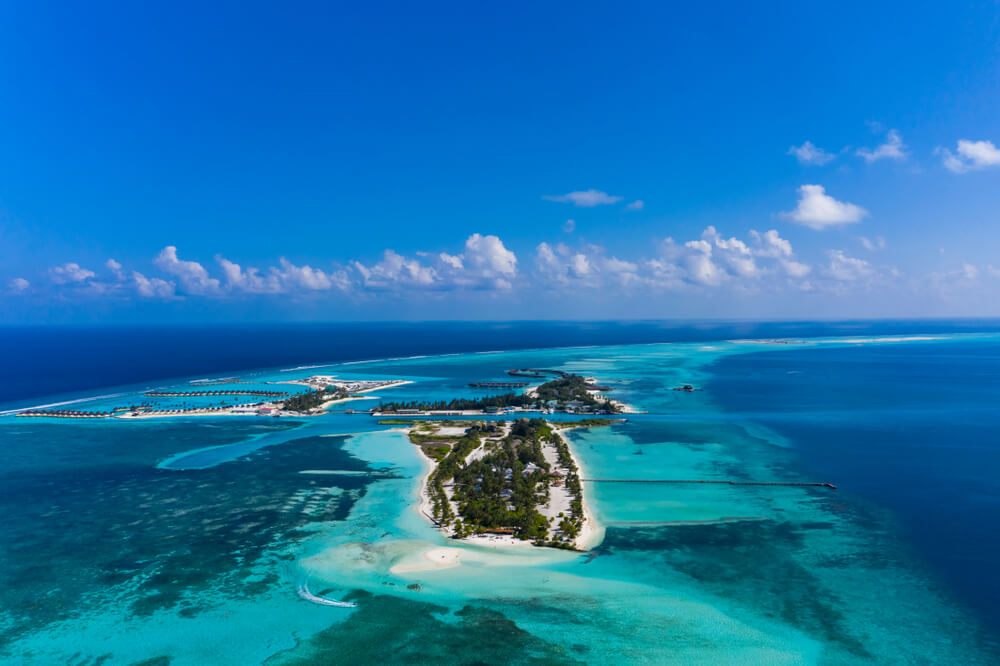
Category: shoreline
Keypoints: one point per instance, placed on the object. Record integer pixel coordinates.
(592, 531)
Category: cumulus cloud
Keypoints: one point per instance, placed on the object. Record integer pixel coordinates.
(486, 257)
(818, 210)
(638, 204)
(583, 267)
(569, 226)
(18, 284)
(395, 269)
(892, 149)
(808, 153)
(585, 198)
(734, 254)
(69, 273)
(115, 268)
(970, 156)
(452, 261)
(193, 277)
(250, 280)
(484, 264)
(708, 262)
(309, 278)
(152, 287)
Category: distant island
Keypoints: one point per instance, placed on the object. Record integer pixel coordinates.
(568, 393)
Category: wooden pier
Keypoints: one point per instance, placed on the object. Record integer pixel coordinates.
(208, 394)
(717, 481)
(498, 384)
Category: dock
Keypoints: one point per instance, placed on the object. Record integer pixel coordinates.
(536, 372)
(206, 394)
(795, 484)
(498, 384)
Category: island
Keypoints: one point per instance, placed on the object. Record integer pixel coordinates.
(504, 483)
(569, 393)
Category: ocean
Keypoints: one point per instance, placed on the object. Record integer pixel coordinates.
(184, 540)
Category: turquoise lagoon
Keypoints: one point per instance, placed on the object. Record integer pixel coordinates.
(183, 541)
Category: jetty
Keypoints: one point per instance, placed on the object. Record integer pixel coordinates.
(536, 373)
(542, 373)
(65, 414)
(498, 384)
(797, 484)
(204, 394)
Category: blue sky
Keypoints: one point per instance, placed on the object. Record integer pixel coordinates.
(384, 161)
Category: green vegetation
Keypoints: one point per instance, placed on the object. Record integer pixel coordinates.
(502, 490)
(558, 393)
(585, 423)
(497, 492)
(505, 400)
(310, 400)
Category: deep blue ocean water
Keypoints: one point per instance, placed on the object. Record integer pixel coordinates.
(51, 361)
(914, 428)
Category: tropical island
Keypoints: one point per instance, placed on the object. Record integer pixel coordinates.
(568, 393)
(504, 483)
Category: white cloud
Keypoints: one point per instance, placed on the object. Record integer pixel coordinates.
(395, 269)
(818, 210)
(485, 263)
(309, 278)
(972, 155)
(569, 226)
(18, 284)
(560, 264)
(847, 269)
(585, 267)
(993, 270)
(733, 253)
(152, 287)
(808, 153)
(892, 149)
(638, 204)
(770, 244)
(488, 256)
(872, 244)
(584, 199)
(192, 275)
(794, 269)
(714, 261)
(115, 268)
(250, 280)
(68, 273)
(451, 260)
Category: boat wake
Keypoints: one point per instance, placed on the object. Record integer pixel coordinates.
(322, 601)
(8, 412)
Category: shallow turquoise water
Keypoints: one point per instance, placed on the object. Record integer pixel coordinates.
(185, 539)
